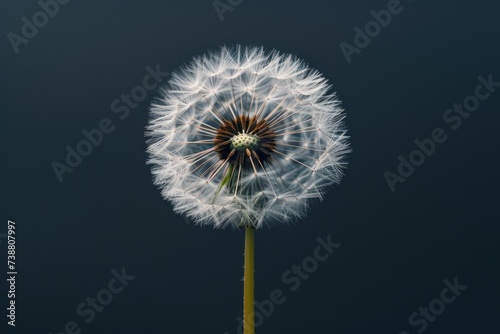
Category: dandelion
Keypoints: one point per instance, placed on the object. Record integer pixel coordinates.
(246, 138)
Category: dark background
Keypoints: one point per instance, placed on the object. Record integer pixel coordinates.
(396, 247)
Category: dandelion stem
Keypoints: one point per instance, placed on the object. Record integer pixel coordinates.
(248, 283)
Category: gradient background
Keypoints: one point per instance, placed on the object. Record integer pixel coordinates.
(396, 248)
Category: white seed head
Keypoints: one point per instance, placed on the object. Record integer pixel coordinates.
(244, 136)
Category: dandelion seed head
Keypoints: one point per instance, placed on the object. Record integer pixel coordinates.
(241, 135)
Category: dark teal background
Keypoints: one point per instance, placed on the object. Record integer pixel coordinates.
(396, 247)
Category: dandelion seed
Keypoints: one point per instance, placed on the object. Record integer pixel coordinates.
(262, 124)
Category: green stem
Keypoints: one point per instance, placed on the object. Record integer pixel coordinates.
(248, 283)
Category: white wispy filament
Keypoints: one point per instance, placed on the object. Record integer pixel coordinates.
(244, 136)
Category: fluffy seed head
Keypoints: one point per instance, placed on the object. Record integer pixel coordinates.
(244, 136)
